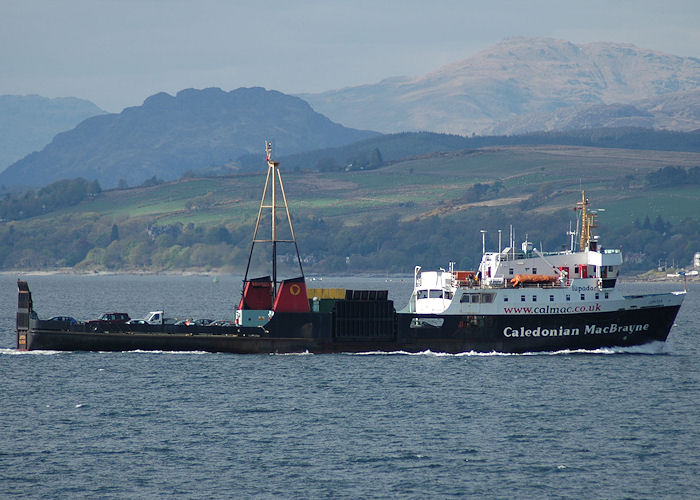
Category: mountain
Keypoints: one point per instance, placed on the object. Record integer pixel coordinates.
(29, 122)
(679, 111)
(169, 135)
(519, 76)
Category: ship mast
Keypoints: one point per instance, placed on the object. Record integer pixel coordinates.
(270, 201)
(588, 222)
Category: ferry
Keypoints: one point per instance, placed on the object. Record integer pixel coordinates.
(525, 300)
(518, 300)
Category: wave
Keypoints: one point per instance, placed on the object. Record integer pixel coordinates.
(17, 352)
(656, 347)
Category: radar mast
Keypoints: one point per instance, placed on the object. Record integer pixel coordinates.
(589, 220)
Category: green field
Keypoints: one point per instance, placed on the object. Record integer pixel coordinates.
(387, 217)
(414, 187)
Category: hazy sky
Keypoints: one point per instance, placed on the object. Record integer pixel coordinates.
(118, 52)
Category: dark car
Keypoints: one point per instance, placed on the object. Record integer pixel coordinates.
(109, 319)
(64, 319)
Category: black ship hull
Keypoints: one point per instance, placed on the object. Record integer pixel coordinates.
(522, 333)
(326, 333)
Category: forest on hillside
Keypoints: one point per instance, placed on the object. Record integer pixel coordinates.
(398, 146)
(84, 240)
(384, 245)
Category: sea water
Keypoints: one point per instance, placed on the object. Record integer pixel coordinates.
(603, 424)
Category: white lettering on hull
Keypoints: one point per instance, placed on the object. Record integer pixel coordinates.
(615, 328)
(562, 332)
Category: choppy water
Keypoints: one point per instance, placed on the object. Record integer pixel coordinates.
(199, 425)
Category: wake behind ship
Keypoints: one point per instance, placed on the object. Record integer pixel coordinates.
(518, 300)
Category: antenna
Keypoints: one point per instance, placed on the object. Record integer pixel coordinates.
(589, 220)
(571, 234)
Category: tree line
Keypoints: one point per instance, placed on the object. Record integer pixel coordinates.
(91, 241)
(673, 176)
(383, 245)
(59, 194)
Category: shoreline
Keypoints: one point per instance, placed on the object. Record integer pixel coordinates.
(212, 273)
(640, 278)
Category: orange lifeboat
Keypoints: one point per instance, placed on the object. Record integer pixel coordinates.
(521, 279)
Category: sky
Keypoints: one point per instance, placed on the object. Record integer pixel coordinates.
(116, 53)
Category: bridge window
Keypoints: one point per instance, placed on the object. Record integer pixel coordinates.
(435, 294)
(522, 298)
(551, 298)
(486, 298)
(534, 298)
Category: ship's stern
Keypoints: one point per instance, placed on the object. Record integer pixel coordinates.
(24, 313)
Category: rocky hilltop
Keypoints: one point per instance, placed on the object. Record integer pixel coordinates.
(515, 78)
(169, 135)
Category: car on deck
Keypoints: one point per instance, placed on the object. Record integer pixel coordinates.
(70, 320)
(108, 319)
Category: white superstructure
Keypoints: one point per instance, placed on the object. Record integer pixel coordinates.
(526, 281)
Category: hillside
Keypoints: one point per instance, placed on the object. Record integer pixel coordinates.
(29, 122)
(678, 111)
(425, 210)
(395, 147)
(169, 135)
(519, 76)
